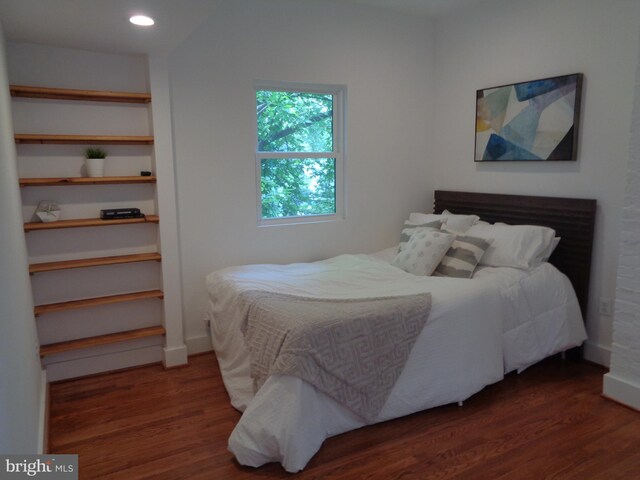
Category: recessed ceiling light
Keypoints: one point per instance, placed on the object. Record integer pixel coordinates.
(142, 20)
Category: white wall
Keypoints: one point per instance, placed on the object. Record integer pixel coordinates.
(504, 41)
(21, 392)
(383, 58)
(622, 383)
(175, 351)
(39, 65)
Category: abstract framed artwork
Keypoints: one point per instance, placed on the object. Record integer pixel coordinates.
(529, 121)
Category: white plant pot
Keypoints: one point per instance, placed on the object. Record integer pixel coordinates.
(95, 167)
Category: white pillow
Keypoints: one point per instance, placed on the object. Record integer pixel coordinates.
(408, 229)
(544, 257)
(423, 251)
(455, 223)
(519, 246)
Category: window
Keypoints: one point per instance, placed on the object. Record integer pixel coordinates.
(299, 159)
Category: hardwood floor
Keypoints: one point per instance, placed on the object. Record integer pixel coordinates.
(548, 422)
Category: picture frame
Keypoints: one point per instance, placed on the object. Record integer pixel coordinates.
(537, 120)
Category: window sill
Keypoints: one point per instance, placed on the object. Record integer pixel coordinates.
(289, 221)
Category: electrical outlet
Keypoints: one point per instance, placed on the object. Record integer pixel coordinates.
(606, 306)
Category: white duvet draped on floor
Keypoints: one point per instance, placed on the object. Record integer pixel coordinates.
(502, 319)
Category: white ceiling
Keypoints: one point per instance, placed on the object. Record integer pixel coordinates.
(418, 7)
(102, 25)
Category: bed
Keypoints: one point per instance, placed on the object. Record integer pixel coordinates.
(477, 330)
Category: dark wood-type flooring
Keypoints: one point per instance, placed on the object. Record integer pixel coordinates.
(548, 422)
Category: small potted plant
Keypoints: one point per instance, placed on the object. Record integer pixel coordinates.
(94, 161)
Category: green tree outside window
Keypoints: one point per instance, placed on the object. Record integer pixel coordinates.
(296, 123)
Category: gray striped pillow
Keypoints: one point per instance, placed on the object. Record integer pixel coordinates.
(462, 257)
(409, 228)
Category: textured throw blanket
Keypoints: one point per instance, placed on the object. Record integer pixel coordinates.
(352, 350)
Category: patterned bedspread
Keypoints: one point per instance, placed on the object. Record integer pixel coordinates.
(351, 349)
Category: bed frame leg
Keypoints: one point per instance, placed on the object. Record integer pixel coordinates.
(563, 355)
(460, 404)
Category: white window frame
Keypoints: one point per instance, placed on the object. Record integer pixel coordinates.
(339, 93)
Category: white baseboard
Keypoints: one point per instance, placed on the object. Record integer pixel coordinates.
(103, 362)
(199, 344)
(621, 390)
(43, 414)
(597, 354)
(174, 356)
(114, 357)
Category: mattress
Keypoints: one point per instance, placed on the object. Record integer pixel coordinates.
(501, 320)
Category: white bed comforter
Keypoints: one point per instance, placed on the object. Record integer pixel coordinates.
(503, 319)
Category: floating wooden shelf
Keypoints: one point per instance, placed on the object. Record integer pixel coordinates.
(84, 139)
(100, 340)
(88, 222)
(93, 262)
(47, 182)
(72, 94)
(65, 94)
(92, 302)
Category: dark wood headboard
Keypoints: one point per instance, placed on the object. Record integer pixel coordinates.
(573, 219)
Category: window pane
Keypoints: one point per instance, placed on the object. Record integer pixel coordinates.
(298, 186)
(294, 121)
